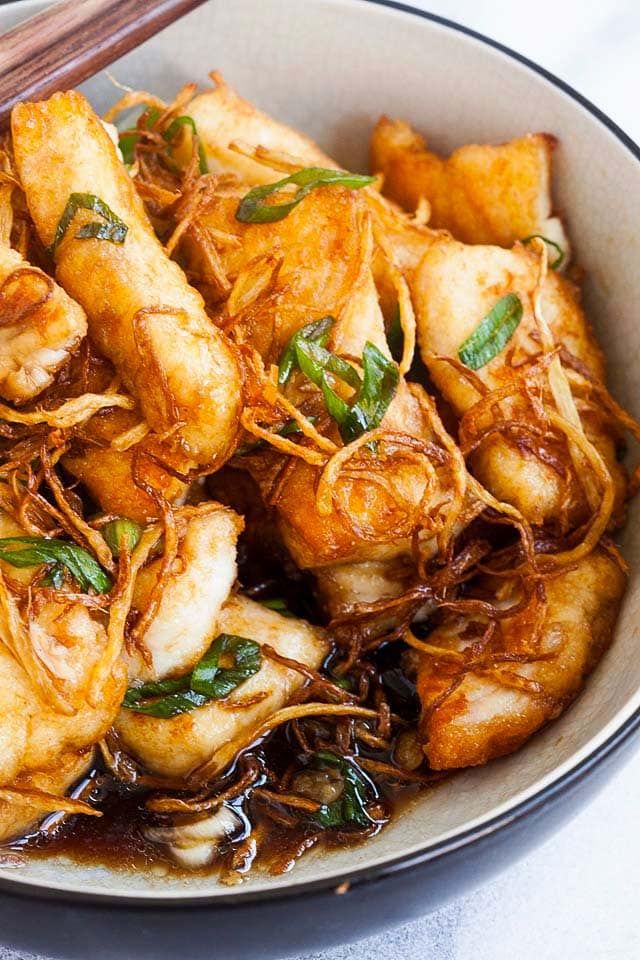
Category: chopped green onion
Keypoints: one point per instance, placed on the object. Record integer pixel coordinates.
(550, 243)
(345, 683)
(142, 117)
(34, 551)
(315, 332)
(157, 688)
(121, 533)
(314, 361)
(395, 336)
(216, 682)
(174, 128)
(374, 391)
(150, 117)
(127, 143)
(379, 385)
(207, 681)
(279, 604)
(337, 408)
(493, 333)
(252, 209)
(129, 138)
(170, 705)
(54, 577)
(292, 426)
(377, 390)
(350, 807)
(110, 228)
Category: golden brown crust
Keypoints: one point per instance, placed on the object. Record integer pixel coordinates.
(177, 746)
(223, 117)
(108, 474)
(483, 718)
(454, 288)
(17, 819)
(40, 327)
(143, 315)
(482, 194)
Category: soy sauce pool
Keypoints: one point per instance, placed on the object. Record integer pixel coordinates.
(118, 840)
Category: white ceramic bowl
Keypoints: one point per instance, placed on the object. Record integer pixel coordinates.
(331, 67)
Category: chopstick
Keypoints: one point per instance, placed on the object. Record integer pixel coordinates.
(72, 40)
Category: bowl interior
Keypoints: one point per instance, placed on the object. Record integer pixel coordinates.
(331, 69)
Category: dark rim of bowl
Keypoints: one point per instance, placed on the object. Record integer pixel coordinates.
(546, 796)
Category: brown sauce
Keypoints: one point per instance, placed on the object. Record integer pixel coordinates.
(269, 838)
(117, 840)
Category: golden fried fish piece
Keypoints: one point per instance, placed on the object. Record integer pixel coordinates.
(177, 746)
(222, 117)
(454, 287)
(143, 315)
(481, 193)
(479, 714)
(108, 473)
(66, 640)
(200, 582)
(40, 327)
(19, 818)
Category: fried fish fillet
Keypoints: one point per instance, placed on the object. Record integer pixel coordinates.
(40, 327)
(108, 473)
(193, 592)
(66, 639)
(454, 287)
(19, 818)
(177, 746)
(143, 315)
(481, 193)
(472, 716)
(222, 117)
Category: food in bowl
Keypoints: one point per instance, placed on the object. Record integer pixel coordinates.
(264, 573)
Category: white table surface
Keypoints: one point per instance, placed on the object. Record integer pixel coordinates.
(577, 897)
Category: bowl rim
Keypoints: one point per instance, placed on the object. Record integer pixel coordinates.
(507, 818)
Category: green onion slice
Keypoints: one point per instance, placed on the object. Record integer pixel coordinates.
(252, 208)
(171, 704)
(121, 532)
(110, 228)
(127, 143)
(560, 254)
(216, 682)
(279, 604)
(315, 332)
(176, 126)
(374, 390)
(493, 333)
(211, 679)
(35, 551)
(350, 808)
(54, 577)
(379, 385)
(314, 361)
(128, 139)
(345, 682)
(395, 336)
(144, 117)
(377, 390)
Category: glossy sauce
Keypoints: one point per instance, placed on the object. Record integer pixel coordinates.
(117, 839)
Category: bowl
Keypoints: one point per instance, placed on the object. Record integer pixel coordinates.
(331, 67)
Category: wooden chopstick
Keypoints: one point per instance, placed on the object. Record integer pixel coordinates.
(72, 40)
